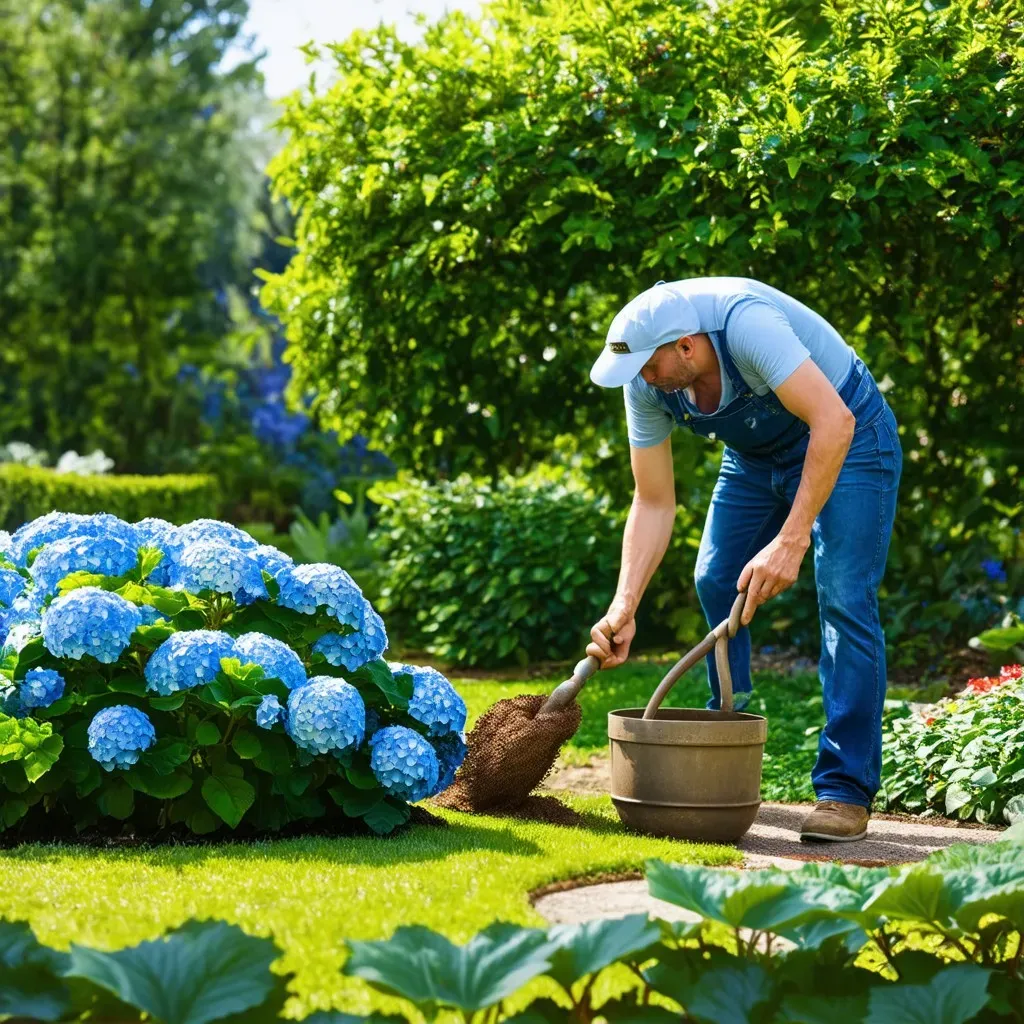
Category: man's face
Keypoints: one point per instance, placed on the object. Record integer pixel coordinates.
(668, 369)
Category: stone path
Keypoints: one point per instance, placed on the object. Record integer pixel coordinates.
(773, 841)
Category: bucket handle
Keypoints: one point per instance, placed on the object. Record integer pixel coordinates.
(718, 640)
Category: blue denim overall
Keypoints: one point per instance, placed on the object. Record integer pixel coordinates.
(761, 469)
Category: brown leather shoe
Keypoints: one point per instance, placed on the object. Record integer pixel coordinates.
(834, 822)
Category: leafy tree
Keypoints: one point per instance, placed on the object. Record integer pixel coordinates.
(474, 208)
(126, 188)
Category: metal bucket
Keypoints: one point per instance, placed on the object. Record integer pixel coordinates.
(689, 773)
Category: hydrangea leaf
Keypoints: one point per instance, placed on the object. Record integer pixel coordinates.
(149, 559)
(163, 787)
(117, 799)
(171, 702)
(398, 689)
(207, 734)
(386, 816)
(246, 745)
(39, 761)
(198, 973)
(228, 797)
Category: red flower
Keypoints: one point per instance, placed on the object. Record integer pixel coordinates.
(983, 684)
(1011, 673)
(929, 720)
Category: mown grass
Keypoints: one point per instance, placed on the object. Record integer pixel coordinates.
(792, 705)
(311, 895)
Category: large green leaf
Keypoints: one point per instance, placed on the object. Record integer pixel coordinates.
(722, 989)
(396, 688)
(200, 972)
(763, 900)
(590, 946)
(953, 996)
(30, 975)
(386, 816)
(166, 754)
(423, 966)
(228, 796)
(813, 1009)
(146, 780)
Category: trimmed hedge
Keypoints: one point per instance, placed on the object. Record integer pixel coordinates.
(27, 492)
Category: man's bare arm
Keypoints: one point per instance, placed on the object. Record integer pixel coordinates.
(644, 542)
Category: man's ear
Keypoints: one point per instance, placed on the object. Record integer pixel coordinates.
(684, 345)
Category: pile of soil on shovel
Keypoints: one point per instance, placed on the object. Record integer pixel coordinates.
(512, 749)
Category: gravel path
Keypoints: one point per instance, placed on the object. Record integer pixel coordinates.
(773, 841)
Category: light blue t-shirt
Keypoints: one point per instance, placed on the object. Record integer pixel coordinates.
(770, 334)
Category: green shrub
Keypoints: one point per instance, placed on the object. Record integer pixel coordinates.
(449, 297)
(482, 574)
(964, 758)
(27, 492)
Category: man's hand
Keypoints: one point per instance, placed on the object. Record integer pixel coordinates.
(617, 630)
(771, 571)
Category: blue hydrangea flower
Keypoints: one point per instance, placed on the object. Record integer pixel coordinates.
(58, 525)
(372, 721)
(306, 587)
(276, 659)
(451, 752)
(356, 649)
(186, 659)
(154, 532)
(118, 734)
(90, 621)
(10, 702)
(326, 715)
(41, 687)
(11, 585)
(28, 605)
(270, 712)
(18, 635)
(6, 546)
(216, 566)
(110, 556)
(211, 531)
(435, 702)
(149, 614)
(271, 559)
(404, 763)
(994, 570)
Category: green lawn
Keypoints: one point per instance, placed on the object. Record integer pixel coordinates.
(312, 894)
(792, 704)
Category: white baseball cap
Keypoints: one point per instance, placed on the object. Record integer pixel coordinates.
(656, 316)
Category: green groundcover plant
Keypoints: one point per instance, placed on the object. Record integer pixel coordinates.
(964, 757)
(192, 680)
(933, 942)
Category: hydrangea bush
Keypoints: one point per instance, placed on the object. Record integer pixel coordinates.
(962, 757)
(189, 677)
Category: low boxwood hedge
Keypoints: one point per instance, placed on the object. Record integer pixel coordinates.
(27, 492)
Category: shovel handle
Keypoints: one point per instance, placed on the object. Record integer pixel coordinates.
(718, 641)
(565, 693)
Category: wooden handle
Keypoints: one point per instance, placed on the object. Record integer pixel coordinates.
(718, 641)
(565, 693)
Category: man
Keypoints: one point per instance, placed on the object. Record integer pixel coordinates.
(811, 458)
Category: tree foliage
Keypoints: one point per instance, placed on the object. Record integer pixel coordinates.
(125, 193)
(473, 209)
